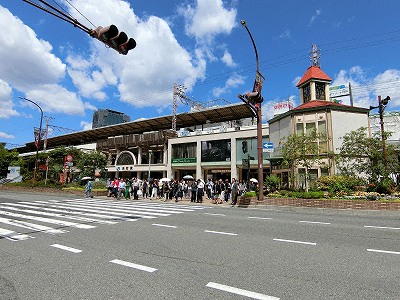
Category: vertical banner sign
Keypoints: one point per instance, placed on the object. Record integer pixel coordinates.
(37, 138)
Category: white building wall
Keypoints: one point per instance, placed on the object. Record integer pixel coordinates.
(344, 122)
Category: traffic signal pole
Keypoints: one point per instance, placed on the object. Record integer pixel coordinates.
(254, 100)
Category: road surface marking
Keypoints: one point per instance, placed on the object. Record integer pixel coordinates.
(219, 232)
(162, 225)
(381, 227)
(233, 290)
(132, 265)
(66, 248)
(210, 214)
(297, 242)
(13, 236)
(383, 251)
(310, 222)
(259, 218)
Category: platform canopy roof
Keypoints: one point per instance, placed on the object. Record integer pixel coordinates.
(183, 120)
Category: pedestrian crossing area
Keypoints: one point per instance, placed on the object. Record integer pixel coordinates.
(19, 221)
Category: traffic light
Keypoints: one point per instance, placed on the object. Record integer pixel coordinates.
(244, 146)
(254, 97)
(385, 101)
(111, 36)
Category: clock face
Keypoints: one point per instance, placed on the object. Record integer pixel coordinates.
(306, 93)
(320, 91)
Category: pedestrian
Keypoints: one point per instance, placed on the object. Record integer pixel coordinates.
(128, 189)
(234, 191)
(154, 192)
(88, 190)
(109, 187)
(145, 190)
(115, 186)
(193, 189)
(121, 188)
(135, 187)
(200, 191)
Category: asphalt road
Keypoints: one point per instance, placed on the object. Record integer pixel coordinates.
(62, 247)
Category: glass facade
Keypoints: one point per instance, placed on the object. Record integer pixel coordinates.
(184, 153)
(213, 151)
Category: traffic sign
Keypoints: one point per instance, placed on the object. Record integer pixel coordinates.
(268, 145)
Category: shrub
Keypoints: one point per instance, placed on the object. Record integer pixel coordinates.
(339, 183)
(250, 194)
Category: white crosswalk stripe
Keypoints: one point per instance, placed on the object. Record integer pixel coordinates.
(77, 213)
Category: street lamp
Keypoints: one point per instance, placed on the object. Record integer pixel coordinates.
(253, 100)
(150, 152)
(38, 137)
(381, 108)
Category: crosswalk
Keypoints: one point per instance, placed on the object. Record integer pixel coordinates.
(18, 221)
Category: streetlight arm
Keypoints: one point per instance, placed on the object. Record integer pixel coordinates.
(243, 22)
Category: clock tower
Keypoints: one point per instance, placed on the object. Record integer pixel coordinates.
(314, 85)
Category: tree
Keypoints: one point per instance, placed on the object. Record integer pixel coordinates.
(302, 150)
(89, 162)
(362, 156)
(8, 158)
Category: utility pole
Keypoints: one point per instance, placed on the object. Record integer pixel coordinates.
(381, 108)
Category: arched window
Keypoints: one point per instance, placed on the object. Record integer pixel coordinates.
(125, 158)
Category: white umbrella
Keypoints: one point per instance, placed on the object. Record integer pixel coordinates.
(188, 177)
(165, 180)
(254, 180)
(86, 178)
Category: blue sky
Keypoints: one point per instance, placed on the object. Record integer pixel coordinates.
(199, 44)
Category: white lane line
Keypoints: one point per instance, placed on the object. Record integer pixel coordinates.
(383, 251)
(210, 214)
(234, 290)
(382, 227)
(162, 225)
(259, 218)
(66, 248)
(311, 222)
(220, 232)
(296, 242)
(132, 265)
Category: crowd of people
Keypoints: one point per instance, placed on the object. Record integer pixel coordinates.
(217, 191)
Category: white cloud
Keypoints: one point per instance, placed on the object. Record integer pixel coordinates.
(314, 17)
(154, 65)
(86, 125)
(366, 89)
(285, 34)
(208, 19)
(228, 60)
(233, 81)
(24, 69)
(6, 103)
(6, 136)
(55, 98)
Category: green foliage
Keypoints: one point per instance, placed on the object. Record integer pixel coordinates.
(272, 182)
(250, 194)
(361, 154)
(8, 158)
(297, 194)
(89, 162)
(339, 183)
(386, 186)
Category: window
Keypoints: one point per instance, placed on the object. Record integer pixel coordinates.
(310, 127)
(299, 128)
(320, 91)
(212, 151)
(186, 150)
(306, 93)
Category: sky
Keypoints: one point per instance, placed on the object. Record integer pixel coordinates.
(199, 44)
